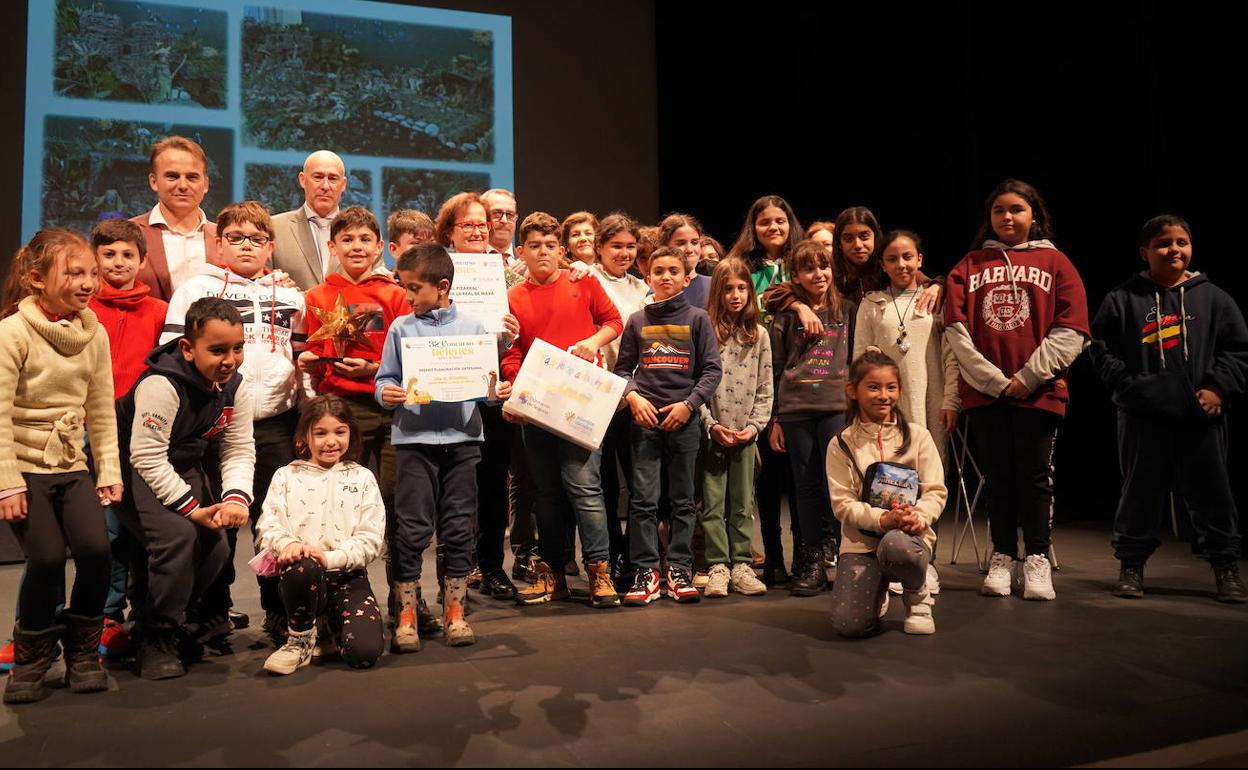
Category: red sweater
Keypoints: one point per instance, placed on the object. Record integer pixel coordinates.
(1009, 306)
(562, 313)
(375, 292)
(133, 321)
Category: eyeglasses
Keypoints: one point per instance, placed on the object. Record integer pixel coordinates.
(468, 227)
(236, 239)
(504, 216)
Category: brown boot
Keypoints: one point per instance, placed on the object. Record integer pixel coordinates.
(83, 670)
(601, 588)
(548, 585)
(32, 657)
(455, 630)
(406, 637)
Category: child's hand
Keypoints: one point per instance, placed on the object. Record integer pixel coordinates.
(503, 390)
(1016, 389)
(291, 554)
(577, 270)
(231, 515)
(746, 434)
(312, 552)
(111, 494)
(283, 280)
(1210, 401)
(206, 517)
(586, 349)
(514, 419)
(723, 436)
(913, 525)
(13, 507)
(393, 395)
(309, 362)
(511, 328)
(929, 299)
(354, 368)
(677, 416)
(948, 420)
(644, 412)
(776, 438)
(810, 322)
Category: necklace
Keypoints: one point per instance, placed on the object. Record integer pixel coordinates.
(901, 342)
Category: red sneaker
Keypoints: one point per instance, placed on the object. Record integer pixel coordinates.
(680, 587)
(115, 640)
(645, 588)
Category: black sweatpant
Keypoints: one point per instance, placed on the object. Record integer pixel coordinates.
(1013, 446)
(775, 479)
(62, 510)
(1188, 457)
(436, 488)
(184, 559)
(344, 598)
(492, 510)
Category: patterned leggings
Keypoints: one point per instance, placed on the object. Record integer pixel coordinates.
(345, 598)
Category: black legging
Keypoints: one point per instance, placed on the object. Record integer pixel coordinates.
(62, 509)
(347, 601)
(775, 479)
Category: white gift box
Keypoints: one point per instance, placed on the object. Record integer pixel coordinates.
(566, 395)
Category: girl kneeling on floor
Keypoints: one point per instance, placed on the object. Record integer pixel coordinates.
(323, 523)
(887, 488)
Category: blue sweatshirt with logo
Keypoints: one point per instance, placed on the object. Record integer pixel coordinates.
(669, 354)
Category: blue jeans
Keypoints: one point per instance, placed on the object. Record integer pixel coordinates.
(568, 484)
(658, 453)
(807, 445)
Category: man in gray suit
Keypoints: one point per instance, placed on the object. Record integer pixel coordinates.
(301, 248)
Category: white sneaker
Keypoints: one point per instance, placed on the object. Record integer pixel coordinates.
(1038, 579)
(1000, 576)
(717, 581)
(294, 654)
(933, 580)
(919, 618)
(745, 582)
(700, 579)
(895, 589)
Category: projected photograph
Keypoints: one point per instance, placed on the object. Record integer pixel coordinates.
(277, 187)
(97, 169)
(405, 188)
(367, 86)
(140, 52)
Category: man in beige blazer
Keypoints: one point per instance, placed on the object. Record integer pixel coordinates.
(302, 245)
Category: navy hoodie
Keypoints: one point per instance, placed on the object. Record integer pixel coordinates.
(669, 354)
(1154, 347)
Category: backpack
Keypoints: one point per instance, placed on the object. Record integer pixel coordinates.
(884, 484)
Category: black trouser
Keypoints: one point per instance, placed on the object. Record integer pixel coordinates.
(437, 488)
(184, 559)
(521, 493)
(1188, 457)
(775, 479)
(806, 444)
(344, 598)
(61, 510)
(492, 510)
(617, 454)
(274, 437)
(1013, 446)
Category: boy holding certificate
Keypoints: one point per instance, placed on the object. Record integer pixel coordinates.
(438, 447)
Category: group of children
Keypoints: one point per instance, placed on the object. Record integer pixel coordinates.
(826, 367)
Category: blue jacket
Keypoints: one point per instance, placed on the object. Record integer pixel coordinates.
(435, 423)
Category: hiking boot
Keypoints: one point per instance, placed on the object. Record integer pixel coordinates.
(83, 670)
(679, 586)
(745, 582)
(809, 578)
(1230, 588)
(158, 656)
(549, 585)
(406, 637)
(32, 657)
(717, 582)
(294, 654)
(1130, 583)
(601, 587)
(645, 588)
(455, 630)
(523, 569)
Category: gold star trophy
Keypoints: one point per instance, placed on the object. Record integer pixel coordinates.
(342, 327)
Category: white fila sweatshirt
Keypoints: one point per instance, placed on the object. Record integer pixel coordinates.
(338, 510)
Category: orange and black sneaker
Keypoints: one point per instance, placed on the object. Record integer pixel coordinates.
(547, 585)
(601, 587)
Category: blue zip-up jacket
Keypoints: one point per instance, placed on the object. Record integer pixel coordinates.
(435, 423)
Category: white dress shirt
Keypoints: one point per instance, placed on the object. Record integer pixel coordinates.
(185, 253)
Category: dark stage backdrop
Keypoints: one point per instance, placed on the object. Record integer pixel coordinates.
(917, 111)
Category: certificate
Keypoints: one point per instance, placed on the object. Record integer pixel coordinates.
(566, 395)
(462, 368)
(480, 289)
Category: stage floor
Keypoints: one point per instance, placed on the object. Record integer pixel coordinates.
(735, 682)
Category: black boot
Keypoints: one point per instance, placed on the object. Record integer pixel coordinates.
(158, 656)
(1130, 583)
(83, 670)
(774, 573)
(1230, 588)
(497, 585)
(32, 657)
(808, 575)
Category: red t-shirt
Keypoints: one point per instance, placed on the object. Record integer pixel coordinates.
(377, 293)
(562, 313)
(133, 321)
(1009, 307)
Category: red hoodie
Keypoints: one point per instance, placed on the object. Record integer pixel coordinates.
(133, 321)
(378, 293)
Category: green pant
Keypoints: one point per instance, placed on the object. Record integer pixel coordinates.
(727, 503)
